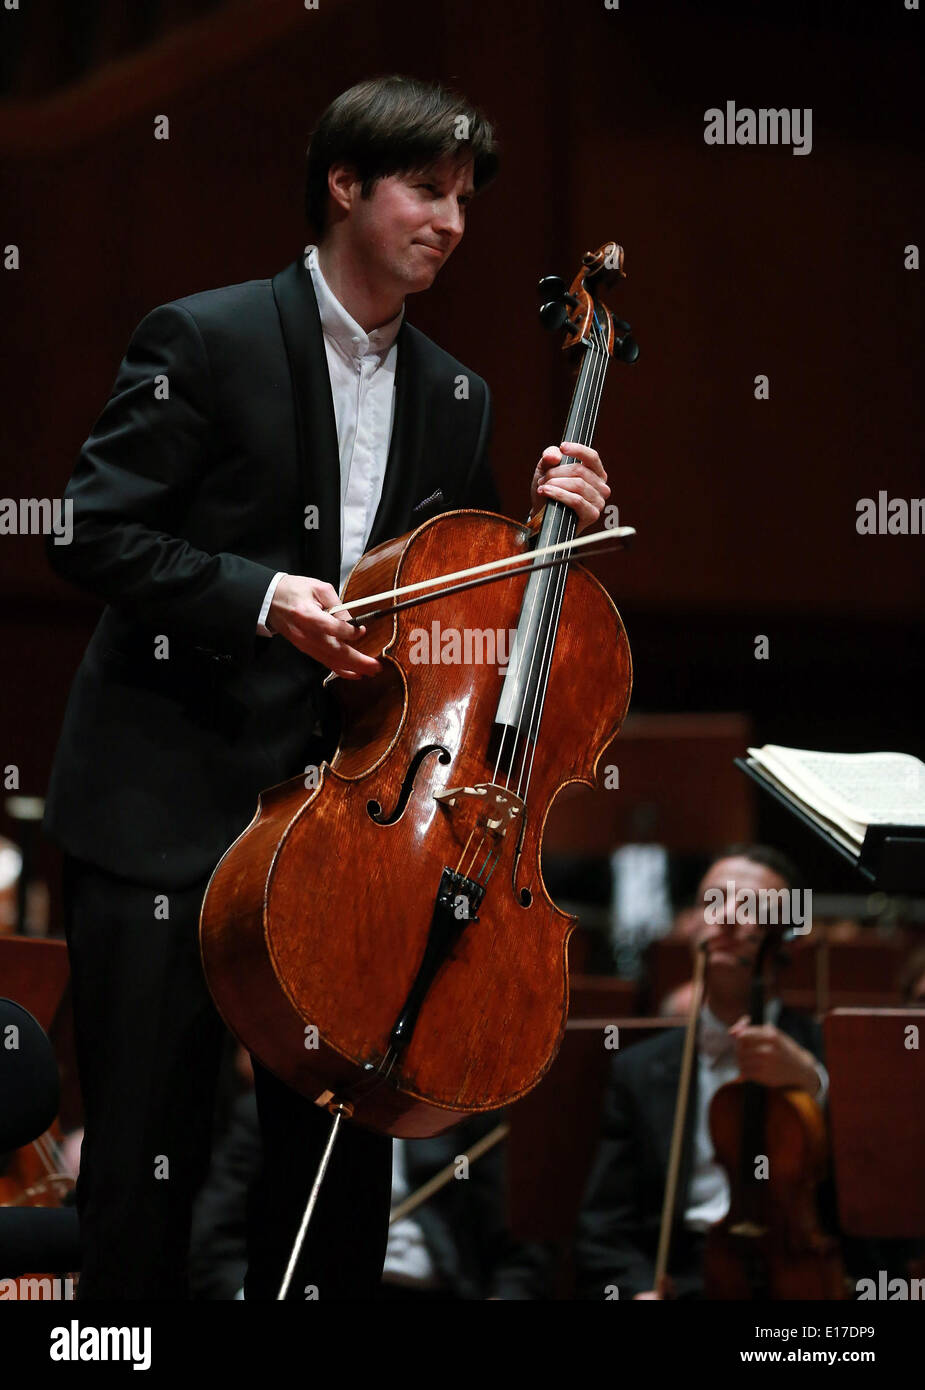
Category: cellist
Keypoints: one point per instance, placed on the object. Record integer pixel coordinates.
(618, 1229)
(258, 440)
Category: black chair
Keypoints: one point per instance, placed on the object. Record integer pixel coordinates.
(31, 1238)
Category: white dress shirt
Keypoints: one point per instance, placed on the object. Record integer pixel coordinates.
(708, 1194)
(407, 1258)
(361, 367)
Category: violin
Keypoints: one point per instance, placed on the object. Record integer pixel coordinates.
(380, 936)
(773, 1144)
(37, 1174)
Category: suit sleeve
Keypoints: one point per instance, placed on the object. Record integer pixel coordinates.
(135, 476)
(480, 490)
(608, 1251)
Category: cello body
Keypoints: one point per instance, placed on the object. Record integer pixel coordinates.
(321, 928)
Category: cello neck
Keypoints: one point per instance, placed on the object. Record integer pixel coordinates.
(560, 523)
(521, 705)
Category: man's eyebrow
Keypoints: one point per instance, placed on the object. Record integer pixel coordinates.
(429, 174)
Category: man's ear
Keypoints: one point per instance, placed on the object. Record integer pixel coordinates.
(343, 185)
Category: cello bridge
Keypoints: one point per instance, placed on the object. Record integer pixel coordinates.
(496, 808)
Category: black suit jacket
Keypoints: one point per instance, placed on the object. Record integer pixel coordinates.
(617, 1234)
(184, 509)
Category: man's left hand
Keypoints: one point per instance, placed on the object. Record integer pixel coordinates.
(573, 474)
(767, 1055)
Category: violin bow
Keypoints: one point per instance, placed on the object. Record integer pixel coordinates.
(677, 1132)
(447, 1173)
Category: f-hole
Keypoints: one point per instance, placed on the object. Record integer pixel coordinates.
(523, 895)
(375, 810)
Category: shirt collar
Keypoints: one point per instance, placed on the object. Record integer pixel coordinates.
(341, 328)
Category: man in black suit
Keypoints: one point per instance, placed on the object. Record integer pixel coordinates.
(618, 1228)
(258, 439)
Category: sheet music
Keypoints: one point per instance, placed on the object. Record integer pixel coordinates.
(853, 789)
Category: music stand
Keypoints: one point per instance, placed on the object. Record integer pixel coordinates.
(892, 857)
(877, 1120)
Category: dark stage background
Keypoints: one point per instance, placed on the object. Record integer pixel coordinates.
(741, 261)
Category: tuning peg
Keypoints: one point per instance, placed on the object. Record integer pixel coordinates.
(551, 287)
(552, 315)
(622, 325)
(626, 348)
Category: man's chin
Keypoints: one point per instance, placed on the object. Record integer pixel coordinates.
(723, 960)
(420, 280)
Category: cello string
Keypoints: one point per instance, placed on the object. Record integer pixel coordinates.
(559, 589)
(462, 856)
(568, 524)
(587, 400)
(577, 410)
(585, 411)
(564, 516)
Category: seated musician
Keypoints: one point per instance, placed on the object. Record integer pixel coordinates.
(456, 1245)
(618, 1227)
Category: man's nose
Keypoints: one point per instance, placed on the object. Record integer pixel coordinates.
(730, 913)
(448, 217)
(725, 925)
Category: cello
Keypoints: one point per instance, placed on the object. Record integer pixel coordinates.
(380, 936)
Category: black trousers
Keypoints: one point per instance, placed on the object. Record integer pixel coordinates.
(149, 1042)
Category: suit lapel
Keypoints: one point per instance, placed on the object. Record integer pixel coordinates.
(664, 1079)
(316, 426)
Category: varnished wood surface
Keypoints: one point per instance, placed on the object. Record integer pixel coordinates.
(318, 915)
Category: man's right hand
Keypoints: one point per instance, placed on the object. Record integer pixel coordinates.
(297, 613)
(664, 1291)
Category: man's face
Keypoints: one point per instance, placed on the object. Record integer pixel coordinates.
(730, 931)
(411, 224)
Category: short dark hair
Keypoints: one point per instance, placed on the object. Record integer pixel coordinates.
(780, 864)
(390, 125)
(768, 857)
